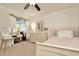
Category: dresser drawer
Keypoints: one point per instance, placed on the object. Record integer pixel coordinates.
(38, 36)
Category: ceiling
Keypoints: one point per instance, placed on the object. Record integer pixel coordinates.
(31, 11)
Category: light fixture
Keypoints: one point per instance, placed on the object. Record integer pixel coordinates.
(32, 3)
(33, 26)
(14, 30)
(9, 29)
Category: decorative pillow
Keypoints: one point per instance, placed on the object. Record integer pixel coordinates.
(65, 33)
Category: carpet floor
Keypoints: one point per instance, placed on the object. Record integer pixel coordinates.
(20, 49)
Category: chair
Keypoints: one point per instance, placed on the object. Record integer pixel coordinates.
(5, 37)
(23, 36)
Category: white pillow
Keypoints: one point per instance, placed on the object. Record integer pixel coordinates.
(65, 33)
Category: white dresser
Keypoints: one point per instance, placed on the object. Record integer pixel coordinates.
(38, 36)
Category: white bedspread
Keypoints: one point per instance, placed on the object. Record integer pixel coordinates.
(67, 43)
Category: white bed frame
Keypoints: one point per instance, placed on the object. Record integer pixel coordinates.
(45, 50)
(54, 47)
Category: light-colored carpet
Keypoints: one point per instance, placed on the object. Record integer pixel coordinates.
(20, 49)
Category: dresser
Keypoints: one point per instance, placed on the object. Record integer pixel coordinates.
(38, 36)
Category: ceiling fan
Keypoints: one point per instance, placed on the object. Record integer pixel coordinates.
(36, 6)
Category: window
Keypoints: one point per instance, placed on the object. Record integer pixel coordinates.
(21, 25)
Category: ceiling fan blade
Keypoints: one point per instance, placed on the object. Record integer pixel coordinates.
(37, 7)
(27, 6)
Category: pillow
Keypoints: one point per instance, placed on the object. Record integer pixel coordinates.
(65, 33)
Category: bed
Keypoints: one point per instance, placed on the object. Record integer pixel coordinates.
(58, 46)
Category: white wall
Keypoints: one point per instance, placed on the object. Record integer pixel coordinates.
(5, 19)
(62, 19)
(78, 22)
